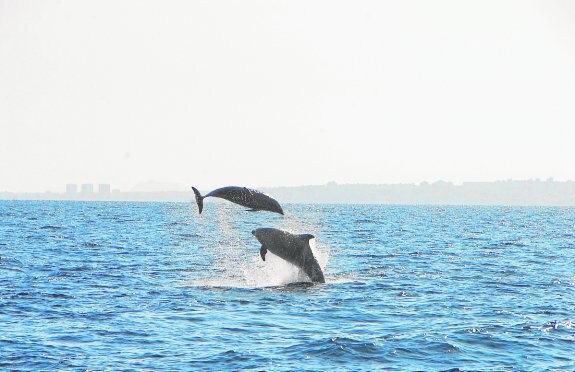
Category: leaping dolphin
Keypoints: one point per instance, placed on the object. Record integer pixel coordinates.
(250, 198)
(294, 249)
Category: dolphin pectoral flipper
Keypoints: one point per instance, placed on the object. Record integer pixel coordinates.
(263, 251)
(252, 210)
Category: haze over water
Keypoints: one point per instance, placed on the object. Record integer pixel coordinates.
(115, 285)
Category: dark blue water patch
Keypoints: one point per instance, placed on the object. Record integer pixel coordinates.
(338, 351)
(91, 244)
(50, 227)
(177, 223)
(189, 236)
(232, 359)
(507, 244)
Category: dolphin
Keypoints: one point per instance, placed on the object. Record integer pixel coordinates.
(294, 249)
(250, 198)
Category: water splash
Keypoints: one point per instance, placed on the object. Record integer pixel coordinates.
(239, 270)
(278, 272)
(236, 261)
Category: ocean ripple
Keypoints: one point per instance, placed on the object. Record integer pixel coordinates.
(155, 286)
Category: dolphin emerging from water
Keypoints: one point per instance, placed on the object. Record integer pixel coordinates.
(294, 249)
(250, 198)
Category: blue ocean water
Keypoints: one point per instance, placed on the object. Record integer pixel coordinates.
(114, 285)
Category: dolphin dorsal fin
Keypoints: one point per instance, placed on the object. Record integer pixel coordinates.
(306, 237)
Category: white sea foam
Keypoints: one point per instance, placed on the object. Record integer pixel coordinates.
(236, 269)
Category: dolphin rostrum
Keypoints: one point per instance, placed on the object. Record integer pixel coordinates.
(294, 249)
(250, 198)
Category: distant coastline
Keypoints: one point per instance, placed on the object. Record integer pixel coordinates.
(514, 193)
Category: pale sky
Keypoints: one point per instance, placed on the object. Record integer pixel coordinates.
(284, 93)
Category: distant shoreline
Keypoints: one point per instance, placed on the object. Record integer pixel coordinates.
(512, 193)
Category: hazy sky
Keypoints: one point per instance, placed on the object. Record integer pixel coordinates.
(272, 93)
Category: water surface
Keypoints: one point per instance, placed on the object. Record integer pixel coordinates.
(98, 285)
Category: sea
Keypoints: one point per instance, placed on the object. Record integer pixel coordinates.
(96, 286)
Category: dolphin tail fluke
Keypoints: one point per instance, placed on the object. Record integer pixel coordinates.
(199, 199)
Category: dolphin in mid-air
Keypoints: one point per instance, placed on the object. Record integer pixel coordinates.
(249, 198)
(294, 249)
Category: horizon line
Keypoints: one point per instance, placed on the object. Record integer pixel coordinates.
(330, 183)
